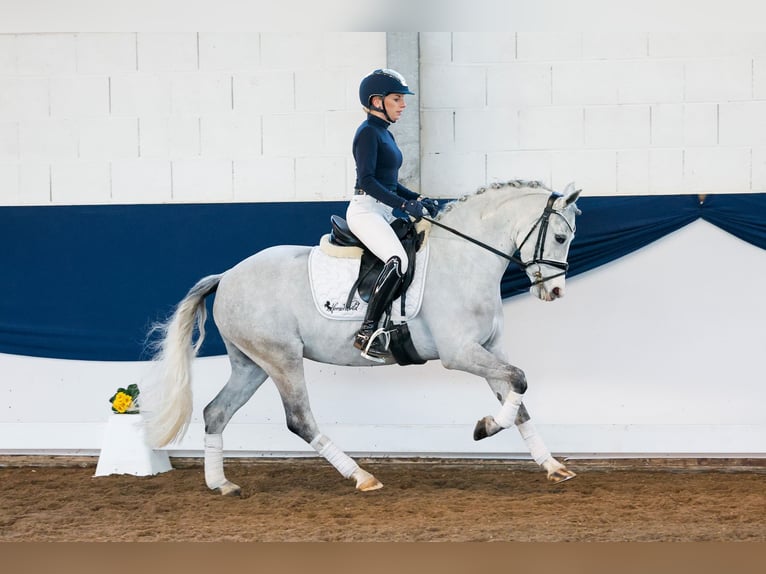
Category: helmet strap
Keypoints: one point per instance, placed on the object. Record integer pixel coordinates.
(382, 109)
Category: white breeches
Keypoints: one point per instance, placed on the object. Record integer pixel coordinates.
(370, 221)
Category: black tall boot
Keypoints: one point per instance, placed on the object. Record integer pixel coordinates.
(385, 290)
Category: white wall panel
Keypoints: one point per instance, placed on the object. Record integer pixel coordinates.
(141, 180)
(486, 130)
(170, 137)
(616, 127)
(8, 55)
(46, 54)
(518, 85)
(79, 96)
(106, 53)
(592, 170)
(229, 51)
(435, 47)
(759, 169)
(666, 171)
(650, 81)
(202, 180)
(315, 174)
(490, 47)
(142, 95)
(615, 44)
(551, 127)
(549, 45)
(80, 182)
(741, 123)
(24, 97)
(265, 179)
(200, 94)
(9, 182)
(716, 170)
(633, 172)
(108, 138)
(9, 141)
(592, 82)
(264, 92)
(529, 165)
(167, 52)
(48, 139)
(453, 86)
(230, 136)
(718, 80)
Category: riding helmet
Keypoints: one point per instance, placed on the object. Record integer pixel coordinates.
(382, 82)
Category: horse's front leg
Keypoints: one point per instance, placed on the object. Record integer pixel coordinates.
(557, 472)
(508, 384)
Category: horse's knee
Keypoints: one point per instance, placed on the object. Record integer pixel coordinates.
(517, 379)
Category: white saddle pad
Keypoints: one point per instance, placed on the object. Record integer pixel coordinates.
(332, 277)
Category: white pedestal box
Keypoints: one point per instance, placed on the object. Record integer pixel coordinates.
(124, 450)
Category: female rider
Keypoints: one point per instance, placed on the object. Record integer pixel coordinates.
(378, 193)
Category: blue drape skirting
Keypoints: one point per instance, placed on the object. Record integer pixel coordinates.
(87, 282)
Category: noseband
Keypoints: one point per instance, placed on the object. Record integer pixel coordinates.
(538, 258)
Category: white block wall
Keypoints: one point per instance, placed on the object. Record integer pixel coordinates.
(628, 112)
(153, 117)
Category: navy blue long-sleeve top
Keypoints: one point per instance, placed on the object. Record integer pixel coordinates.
(378, 160)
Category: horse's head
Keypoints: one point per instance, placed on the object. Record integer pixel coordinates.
(544, 248)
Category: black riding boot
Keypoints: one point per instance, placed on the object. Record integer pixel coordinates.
(384, 292)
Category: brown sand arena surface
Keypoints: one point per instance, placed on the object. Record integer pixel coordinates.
(306, 500)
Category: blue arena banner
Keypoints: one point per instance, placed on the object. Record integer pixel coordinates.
(87, 282)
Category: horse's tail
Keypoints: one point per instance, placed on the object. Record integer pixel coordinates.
(166, 404)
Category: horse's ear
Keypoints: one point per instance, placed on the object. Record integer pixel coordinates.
(569, 196)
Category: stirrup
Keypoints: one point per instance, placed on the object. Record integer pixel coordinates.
(374, 354)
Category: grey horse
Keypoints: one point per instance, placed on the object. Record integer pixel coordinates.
(460, 323)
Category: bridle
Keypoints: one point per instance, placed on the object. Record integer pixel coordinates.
(538, 258)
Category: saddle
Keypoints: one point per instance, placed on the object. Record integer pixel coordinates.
(369, 269)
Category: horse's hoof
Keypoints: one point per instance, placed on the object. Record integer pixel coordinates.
(480, 430)
(486, 427)
(365, 482)
(229, 489)
(561, 475)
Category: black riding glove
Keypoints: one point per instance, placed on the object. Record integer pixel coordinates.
(414, 208)
(431, 205)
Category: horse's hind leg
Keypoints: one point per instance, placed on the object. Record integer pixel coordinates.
(246, 377)
(290, 381)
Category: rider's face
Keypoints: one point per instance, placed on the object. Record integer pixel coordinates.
(394, 105)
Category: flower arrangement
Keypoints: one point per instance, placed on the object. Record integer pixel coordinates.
(125, 401)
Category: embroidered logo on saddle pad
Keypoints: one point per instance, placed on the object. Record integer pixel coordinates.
(333, 271)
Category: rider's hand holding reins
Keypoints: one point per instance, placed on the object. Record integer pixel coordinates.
(431, 205)
(415, 208)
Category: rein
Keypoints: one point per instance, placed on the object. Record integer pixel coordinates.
(542, 222)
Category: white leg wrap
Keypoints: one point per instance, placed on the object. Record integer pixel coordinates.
(343, 463)
(535, 444)
(214, 476)
(506, 416)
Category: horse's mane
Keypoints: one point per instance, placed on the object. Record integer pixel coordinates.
(514, 183)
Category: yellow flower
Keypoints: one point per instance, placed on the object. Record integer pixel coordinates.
(122, 402)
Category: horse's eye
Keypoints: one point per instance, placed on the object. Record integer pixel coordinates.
(561, 238)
